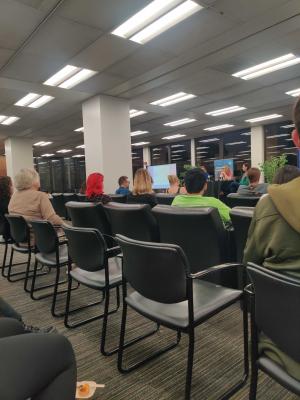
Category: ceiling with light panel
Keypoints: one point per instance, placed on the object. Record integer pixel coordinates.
(183, 74)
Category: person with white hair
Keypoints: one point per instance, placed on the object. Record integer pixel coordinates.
(28, 201)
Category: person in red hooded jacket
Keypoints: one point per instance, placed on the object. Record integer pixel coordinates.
(94, 189)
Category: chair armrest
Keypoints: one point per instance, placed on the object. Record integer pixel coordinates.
(62, 242)
(112, 250)
(212, 270)
(249, 289)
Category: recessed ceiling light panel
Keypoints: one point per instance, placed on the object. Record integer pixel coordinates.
(218, 127)
(178, 135)
(173, 99)
(180, 122)
(263, 118)
(227, 110)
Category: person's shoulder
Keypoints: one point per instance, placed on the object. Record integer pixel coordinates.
(265, 208)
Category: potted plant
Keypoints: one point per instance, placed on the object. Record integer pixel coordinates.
(270, 167)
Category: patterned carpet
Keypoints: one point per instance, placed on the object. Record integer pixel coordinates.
(218, 354)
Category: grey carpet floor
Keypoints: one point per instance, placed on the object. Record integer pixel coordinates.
(218, 352)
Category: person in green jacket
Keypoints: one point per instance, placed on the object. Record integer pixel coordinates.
(244, 179)
(274, 242)
(195, 183)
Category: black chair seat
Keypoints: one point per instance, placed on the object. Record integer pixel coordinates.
(208, 299)
(96, 279)
(50, 259)
(276, 372)
(20, 249)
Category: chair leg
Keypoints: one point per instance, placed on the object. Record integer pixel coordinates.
(190, 360)
(27, 273)
(123, 345)
(253, 382)
(10, 264)
(4, 258)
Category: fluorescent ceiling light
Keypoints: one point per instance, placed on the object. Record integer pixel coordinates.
(173, 99)
(245, 151)
(275, 147)
(9, 120)
(294, 93)
(290, 148)
(178, 151)
(180, 122)
(177, 145)
(78, 155)
(202, 147)
(291, 154)
(263, 118)
(279, 135)
(69, 76)
(135, 113)
(82, 146)
(135, 158)
(79, 129)
(209, 140)
(3, 117)
(227, 110)
(269, 66)
(288, 126)
(289, 139)
(63, 151)
(42, 144)
(28, 99)
(246, 134)
(41, 101)
(217, 127)
(165, 22)
(137, 133)
(234, 143)
(47, 155)
(139, 143)
(202, 152)
(178, 135)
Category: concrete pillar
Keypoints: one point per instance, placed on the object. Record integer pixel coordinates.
(146, 156)
(257, 146)
(18, 154)
(193, 153)
(107, 139)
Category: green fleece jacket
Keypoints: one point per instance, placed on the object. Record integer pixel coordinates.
(274, 242)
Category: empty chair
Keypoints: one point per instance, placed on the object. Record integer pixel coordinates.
(165, 198)
(199, 231)
(58, 203)
(91, 265)
(133, 220)
(118, 198)
(275, 318)
(81, 197)
(169, 294)
(70, 197)
(236, 200)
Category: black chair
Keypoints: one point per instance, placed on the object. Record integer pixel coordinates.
(165, 198)
(91, 215)
(241, 218)
(169, 294)
(81, 197)
(236, 200)
(200, 233)
(95, 269)
(133, 220)
(58, 203)
(5, 241)
(118, 198)
(275, 313)
(52, 253)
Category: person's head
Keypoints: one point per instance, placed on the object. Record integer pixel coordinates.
(124, 181)
(94, 184)
(173, 180)
(245, 167)
(286, 174)
(5, 188)
(142, 182)
(297, 115)
(195, 181)
(27, 178)
(253, 175)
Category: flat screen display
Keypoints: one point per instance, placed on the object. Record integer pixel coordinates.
(223, 170)
(159, 174)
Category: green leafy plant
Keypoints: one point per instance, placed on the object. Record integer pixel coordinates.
(271, 166)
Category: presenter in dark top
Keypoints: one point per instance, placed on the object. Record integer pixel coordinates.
(94, 189)
(123, 186)
(142, 192)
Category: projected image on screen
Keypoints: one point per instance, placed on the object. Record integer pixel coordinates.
(160, 174)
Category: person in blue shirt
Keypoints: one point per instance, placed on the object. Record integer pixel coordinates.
(123, 186)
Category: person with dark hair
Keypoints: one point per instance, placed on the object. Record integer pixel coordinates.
(196, 185)
(286, 174)
(244, 179)
(6, 190)
(254, 188)
(95, 190)
(124, 183)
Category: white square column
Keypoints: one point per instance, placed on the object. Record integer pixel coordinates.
(107, 141)
(257, 146)
(18, 154)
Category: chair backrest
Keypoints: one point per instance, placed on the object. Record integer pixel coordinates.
(4, 227)
(118, 198)
(58, 203)
(90, 215)
(277, 304)
(45, 236)
(81, 197)
(155, 270)
(70, 197)
(133, 220)
(198, 231)
(19, 229)
(236, 200)
(165, 198)
(241, 219)
(86, 247)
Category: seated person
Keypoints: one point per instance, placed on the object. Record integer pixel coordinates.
(142, 192)
(94, 189)
(196, 184)
(174, 185)
(28, 201)
(286, 174)
(254, 188)
(244, 179)
(123, 185)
